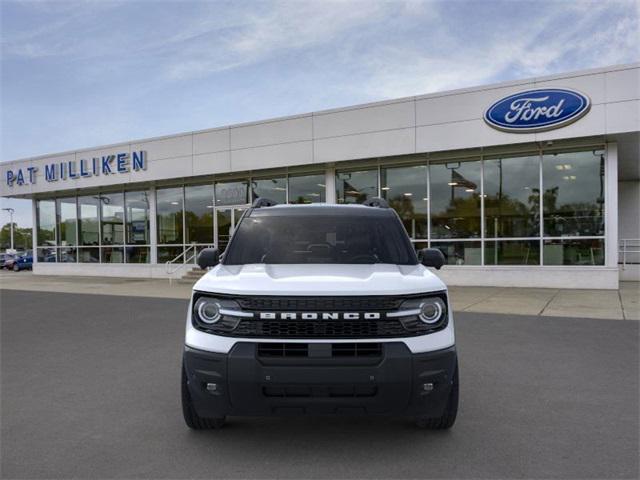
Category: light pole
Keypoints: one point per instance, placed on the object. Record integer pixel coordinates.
(11, 212)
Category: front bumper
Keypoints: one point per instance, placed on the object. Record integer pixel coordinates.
(245, 383)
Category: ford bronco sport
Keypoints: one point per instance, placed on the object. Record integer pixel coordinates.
(320, 309)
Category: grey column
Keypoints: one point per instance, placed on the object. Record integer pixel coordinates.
(34, 230)
(330, 184)
(611, 205)
(153, 225)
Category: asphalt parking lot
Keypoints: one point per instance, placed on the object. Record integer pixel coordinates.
(90, 389)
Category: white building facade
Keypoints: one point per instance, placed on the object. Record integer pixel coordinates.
(531, 183)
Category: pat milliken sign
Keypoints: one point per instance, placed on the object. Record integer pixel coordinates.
(105, 165)
(537, 110)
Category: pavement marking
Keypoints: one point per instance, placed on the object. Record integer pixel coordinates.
(481, 300)
(550, 300)
(604, 304)
(624, 317)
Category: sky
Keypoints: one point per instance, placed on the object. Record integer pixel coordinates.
(86, 73)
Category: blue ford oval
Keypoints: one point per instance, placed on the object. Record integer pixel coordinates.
(537, 110)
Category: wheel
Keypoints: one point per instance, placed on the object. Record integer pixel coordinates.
(16, 268)
(191, 418)
(448, 417)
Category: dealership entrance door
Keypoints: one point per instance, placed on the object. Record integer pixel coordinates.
(227, 219)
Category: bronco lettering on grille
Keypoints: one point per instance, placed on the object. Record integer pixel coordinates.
(319, 316)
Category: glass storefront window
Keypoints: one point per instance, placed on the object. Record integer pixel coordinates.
(356, 187)
(420, 245)
(272, 188)
(46, 218)
(460, 253)
(573, 198)
(166, 254)
(137, 254)
(169, 208)
(512, 252)
(115, 227)
(89, 255)
(67, 254)
(455, 199)
(112, 255)
(198, 213)
(137, 218)
(47, 254)
(405, 188)
(88, 227)
(67, 221)
(112, 218)
(512, 197)
(232, 193)
(307, 188)
(573, 252)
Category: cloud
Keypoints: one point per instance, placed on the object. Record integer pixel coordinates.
(52, 27)
(393, 63)
(436, 51)
(286, 27)
(541, 46)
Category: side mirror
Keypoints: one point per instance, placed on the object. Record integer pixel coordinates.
(208, 257)
(431, 257)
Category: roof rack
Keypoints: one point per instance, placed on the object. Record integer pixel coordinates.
(376, 202)
(263, 202)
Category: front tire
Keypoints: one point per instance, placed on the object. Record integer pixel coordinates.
(191, 417)
(16, 268)
(448, 417)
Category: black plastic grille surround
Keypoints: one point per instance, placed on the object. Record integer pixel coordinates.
(321, 328)
(320, 304)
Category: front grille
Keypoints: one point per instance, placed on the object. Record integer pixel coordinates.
(350, 350)
(320, 391)
(356, 349)
(321, 329)
(283, 350)
(319, 304)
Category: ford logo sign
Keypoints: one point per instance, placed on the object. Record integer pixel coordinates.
(537, 110)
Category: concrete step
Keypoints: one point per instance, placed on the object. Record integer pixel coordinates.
(196, 274)
(191, 276)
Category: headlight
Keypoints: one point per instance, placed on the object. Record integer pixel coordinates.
(423, 315)
(215, 314)
(431, 310)
(208, 310)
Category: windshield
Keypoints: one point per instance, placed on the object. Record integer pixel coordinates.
(295, 239)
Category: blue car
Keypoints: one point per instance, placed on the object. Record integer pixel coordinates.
(24, 262)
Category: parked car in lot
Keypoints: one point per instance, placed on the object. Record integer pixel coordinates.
(7, 261)
(23, 262)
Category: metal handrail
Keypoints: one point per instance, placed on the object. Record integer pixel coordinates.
(628, 245)
(186, 261)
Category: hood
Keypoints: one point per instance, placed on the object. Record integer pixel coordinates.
(315, 279)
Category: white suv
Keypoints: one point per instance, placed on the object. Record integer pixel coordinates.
(320, 309)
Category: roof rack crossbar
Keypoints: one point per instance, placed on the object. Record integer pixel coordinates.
(263, 202)
(376, 202)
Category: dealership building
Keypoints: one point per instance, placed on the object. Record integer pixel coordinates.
(529, 183)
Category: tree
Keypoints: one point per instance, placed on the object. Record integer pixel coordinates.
(21, 237)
